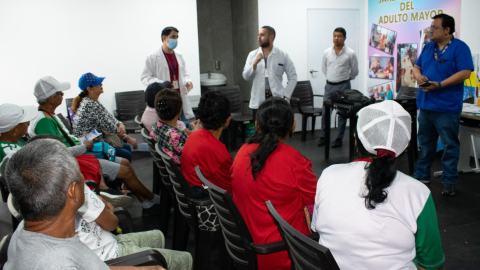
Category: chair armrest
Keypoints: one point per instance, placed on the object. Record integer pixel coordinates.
(318, 95)
(201, 202)
(142, 258)
(91, 183)
(120, 211)
(268, 248)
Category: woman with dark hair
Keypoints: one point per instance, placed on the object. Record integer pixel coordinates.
(168, 104)
(204, 148)
(90, 114)
(370, 215)
(267, 169)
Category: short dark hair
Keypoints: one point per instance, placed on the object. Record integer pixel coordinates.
(447, 21)
(168, 104)
(213, 110)
(341, 30)
(270, 31)
(166, 31)
(39, 180)
(152, 91)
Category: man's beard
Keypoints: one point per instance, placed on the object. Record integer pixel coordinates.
(266, 44)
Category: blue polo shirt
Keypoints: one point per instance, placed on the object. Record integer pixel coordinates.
(457, 58)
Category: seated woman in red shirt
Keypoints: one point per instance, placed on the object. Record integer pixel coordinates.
(267, 169)
(203, 147)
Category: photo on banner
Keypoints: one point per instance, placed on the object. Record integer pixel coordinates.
(406, 59)
(382, 38)
(380, 67)
(396, 27)
(382, 91)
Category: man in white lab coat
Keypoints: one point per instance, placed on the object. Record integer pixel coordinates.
(339, 65)
(168, 65)
(265, 66)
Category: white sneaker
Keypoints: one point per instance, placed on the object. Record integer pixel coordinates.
(117, 200)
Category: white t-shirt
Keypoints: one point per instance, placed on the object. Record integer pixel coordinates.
(382, 238)
(90, 233)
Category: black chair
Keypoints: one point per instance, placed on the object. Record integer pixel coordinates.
(238, 117)
(6, 192)
(304, 252)
(70, 115)
(238, 240)
(4, 250)
(302, 103)
(138, 120)
(187, 206)
(129, 105)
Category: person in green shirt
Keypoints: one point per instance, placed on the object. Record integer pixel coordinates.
(14, 121)
(49, 94)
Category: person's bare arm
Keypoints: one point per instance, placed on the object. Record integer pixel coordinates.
(417, 74)
(107, 219)
(452, 80)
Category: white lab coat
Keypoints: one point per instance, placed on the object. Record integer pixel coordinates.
(278, 63)
(156, 70)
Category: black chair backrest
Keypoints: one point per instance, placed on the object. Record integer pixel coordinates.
(65, 122)
(130, 104)
(163, 171)
(303, 251)
(3, 250)
(238, 239)
(304, 92)
(181, 188)
(138, 120)
(147, 138)
(233, 95)
(3, 181)
(70, 114)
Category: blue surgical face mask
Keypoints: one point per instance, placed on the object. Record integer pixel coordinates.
(172, 44)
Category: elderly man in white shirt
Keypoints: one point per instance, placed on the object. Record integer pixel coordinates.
(265, 66)
(339, 65)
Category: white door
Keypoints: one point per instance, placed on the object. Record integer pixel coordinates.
(321, 23)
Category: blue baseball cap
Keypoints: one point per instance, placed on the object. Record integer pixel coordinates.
(89, 79)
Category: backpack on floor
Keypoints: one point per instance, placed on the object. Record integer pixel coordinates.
(350, 97)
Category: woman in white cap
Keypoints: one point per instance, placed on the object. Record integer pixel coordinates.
(370, 215)
(90, 114)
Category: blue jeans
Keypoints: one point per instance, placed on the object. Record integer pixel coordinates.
(431, 125)
(185, 120)
(124, 152)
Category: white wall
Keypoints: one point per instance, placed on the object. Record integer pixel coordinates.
(470, 24)
(289, 18)
(110, 38)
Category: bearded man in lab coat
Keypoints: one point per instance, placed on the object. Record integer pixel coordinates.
(265, 66)
(168, 65)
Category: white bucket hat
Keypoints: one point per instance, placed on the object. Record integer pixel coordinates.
(385, 125)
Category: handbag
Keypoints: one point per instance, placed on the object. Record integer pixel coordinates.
(112, 138)
(103, 150)
(350, 97)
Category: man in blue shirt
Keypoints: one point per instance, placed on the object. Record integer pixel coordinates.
(440, 70)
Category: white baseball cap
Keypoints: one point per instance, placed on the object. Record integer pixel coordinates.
(12, 115)
(385, 125)
(47, 86)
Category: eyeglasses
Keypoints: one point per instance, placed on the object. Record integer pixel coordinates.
(60, 93)
(435, 28)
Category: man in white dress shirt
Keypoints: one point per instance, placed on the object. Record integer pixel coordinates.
(339, 65)
(266, 66)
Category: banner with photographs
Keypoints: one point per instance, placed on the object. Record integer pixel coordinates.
(398, 32)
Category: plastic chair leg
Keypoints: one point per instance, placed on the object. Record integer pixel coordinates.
(166, 203)
(314, 118)
(304, 127)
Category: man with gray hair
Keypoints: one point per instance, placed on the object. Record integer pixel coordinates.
(48, 189)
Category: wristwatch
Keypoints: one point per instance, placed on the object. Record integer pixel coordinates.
(439, 85)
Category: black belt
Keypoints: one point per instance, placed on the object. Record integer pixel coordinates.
(337, 83)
